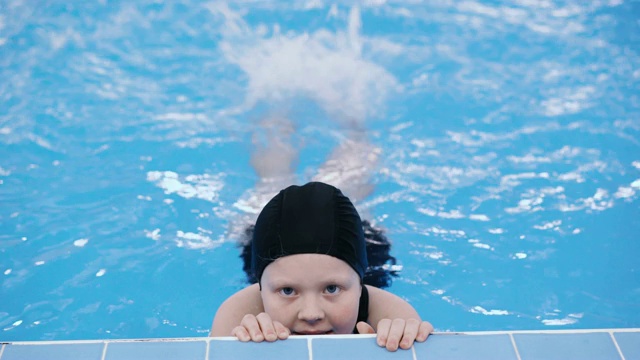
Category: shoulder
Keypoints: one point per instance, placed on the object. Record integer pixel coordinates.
(232, 310)
(379, 297)
(385, 305)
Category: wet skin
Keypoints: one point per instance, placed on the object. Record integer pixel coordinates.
(313, 294)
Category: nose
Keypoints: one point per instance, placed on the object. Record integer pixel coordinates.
(310, 310)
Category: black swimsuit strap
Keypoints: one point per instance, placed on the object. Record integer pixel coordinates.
(363, 310)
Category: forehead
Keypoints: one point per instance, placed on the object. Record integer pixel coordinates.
(305, 267)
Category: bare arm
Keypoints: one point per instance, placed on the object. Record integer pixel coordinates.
(385, 305)
(232, 310)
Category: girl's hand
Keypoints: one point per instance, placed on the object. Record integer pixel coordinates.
(398, 332)
(259, 328)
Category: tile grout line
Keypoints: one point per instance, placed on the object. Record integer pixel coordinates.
(208, 347)
(615, 342)
(515, 347)
(104, 351)
(309, 347)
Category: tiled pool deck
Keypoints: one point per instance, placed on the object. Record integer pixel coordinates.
(524, 345)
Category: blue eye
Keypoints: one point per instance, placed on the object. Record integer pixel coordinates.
(287, 291)
(333, 289)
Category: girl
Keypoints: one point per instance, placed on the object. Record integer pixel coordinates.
(308, 256)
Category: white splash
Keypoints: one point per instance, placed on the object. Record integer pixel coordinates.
(452, 214)
(101, 272)
(153, 235)
(599, 201)
(549, 225)
(15, 324)
(528, 159)
(185, 117)
(568, 320)
(440, 231)
(428, 212)
(435, 255)
(571, 176)
(195, 241)
(478, 244)
(526, 205)
(80, 242)
(324, 66)
(479, 217)
(483, 311)
(206, 187)
(513, 180)
(624, 192)
(568, 101)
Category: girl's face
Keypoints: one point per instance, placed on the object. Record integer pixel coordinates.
(312, 294)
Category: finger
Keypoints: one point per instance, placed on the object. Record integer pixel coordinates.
(364, 328)
(241, 333)
(383, 331)
(250, 323)
(395, 334)
(281, 330)
(411, 328)
(266, 325)
(425, 329)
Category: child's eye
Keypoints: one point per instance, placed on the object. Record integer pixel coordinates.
(333, 289)
(287, 291)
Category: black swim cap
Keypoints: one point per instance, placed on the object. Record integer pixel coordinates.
(315, 218)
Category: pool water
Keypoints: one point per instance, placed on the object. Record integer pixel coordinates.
(497, 144)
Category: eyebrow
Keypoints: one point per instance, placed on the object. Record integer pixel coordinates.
(278, 283)
(336, 280)
(284, 282)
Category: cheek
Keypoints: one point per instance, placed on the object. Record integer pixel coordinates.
(345, 315)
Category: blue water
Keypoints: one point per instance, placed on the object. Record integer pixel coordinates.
(496, 142)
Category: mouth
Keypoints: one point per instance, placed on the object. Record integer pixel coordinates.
(312, 332)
